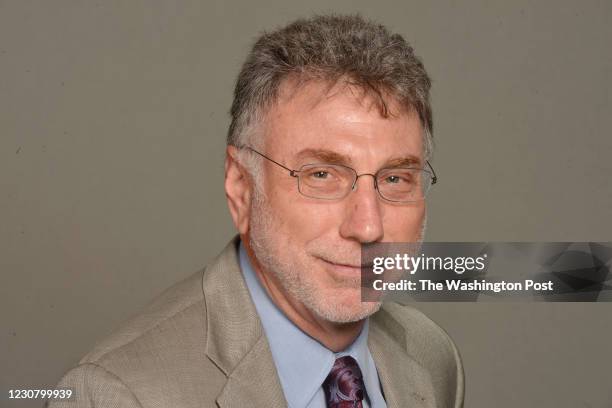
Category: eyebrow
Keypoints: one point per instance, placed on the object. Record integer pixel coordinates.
(324, 156)
(404, 162)
(331, 157)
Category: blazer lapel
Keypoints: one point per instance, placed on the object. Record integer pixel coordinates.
(405, 383)
(254, 382)
(235, 340)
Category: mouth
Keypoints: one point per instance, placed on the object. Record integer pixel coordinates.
(347, 264)
(343, 268)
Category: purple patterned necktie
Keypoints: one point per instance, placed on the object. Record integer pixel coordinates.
(344, 385)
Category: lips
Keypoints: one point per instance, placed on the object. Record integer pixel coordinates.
(343, 274)
(340, 263)
(329, 259)
(343, 264)
(346, 266)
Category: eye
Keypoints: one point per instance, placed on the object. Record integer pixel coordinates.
(392, 179)
(322, 175)
(397, 178)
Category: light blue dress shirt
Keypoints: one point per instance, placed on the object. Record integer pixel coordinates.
(302, 362)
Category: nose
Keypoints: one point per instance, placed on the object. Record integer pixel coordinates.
(363, 217)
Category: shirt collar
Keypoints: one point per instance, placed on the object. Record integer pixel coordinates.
(302, 362)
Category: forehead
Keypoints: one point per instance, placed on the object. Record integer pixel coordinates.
(340, 120)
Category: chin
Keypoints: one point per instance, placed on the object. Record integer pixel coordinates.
(348, 311)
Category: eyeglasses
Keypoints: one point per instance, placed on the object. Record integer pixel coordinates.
(336, 181)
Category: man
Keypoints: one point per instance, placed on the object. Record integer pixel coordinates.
(330, 134)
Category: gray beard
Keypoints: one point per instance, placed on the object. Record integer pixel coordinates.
(291, 275)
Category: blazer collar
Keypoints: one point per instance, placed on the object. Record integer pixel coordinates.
(235, 340)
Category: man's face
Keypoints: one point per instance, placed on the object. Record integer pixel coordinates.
(309, 247)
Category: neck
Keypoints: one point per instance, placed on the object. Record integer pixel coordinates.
(334, 336)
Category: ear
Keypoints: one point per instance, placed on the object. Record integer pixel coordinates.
(237, 190)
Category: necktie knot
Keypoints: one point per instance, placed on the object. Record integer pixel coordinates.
(344, 385)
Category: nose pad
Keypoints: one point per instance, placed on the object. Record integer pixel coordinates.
(354, 186)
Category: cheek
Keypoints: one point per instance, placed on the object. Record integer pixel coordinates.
(404, 224)
(313, 220)
(300, 219)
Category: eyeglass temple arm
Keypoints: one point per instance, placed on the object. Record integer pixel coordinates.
(434, 179)
(292, 173)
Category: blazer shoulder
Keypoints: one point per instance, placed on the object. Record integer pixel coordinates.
(157, 358)
(93, 386)
(174, 301)
(428, 344)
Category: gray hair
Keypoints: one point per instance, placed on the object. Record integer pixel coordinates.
(330, 48)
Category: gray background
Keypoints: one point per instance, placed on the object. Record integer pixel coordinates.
(113, 116)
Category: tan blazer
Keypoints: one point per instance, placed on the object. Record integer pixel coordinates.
(201, 344)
